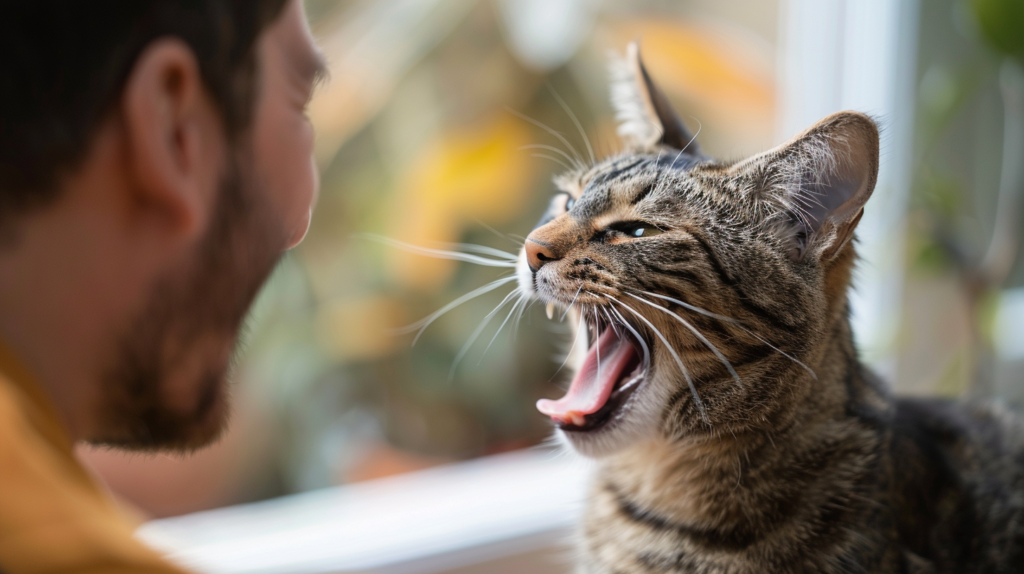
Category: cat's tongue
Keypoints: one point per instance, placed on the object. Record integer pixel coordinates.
(594, 381)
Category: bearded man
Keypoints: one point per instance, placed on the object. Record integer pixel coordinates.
(155, 163)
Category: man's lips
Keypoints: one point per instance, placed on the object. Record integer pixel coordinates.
(608, 362)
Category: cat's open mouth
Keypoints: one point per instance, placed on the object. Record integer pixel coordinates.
(611, 372)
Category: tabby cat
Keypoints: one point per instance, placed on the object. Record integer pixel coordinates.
(734, 427)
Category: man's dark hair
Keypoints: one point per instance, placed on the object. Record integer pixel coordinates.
(64, 63)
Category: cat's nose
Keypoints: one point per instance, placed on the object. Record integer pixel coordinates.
(537, 254)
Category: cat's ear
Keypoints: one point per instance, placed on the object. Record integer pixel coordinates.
(817, 183)
(646, 118)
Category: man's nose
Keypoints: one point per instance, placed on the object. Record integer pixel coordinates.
(538, 253)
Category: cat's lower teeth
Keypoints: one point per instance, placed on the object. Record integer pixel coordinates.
(551, 310)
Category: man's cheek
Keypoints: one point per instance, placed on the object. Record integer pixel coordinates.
(306, 191)
(300, 230)
(290, 174)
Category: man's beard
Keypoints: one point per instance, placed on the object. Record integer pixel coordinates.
(182, 342)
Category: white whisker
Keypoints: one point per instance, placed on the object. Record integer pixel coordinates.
(505, 236)
(553, 149)
(675, 355)
(643, 344)
(485, 250)
(519, 316)
(614, 324)
(597, 345)
(735, 322)
(700, 126)
(444, 254)
(668, 170)
(567, 309)
(693, 308)
(476, 334)
(521, 301)
(661, 178)
(576, 121)
(571, 348)
(696, 333)
(552, 158)
(578, 160)
(422, 324)
(781, 352)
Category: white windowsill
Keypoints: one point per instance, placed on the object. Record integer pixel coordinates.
(423, 522)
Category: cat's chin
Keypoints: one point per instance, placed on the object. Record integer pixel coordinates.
(601, 442)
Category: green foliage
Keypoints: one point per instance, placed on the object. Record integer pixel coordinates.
(1002, 25)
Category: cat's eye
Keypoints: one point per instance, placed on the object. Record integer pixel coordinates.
(636, 229)
(570, 202)
(645, 231)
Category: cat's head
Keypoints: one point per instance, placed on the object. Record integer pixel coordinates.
(706, 291)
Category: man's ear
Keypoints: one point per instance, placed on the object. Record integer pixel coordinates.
(817, 183)
(646, 118)
(175, 139)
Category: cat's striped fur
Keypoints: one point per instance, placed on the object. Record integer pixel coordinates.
(797, 459)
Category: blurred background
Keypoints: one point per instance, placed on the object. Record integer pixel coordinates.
(421, 138)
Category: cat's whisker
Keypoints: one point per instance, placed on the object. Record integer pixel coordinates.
(576, 121)
(667, 172)
(781, 352)
(571, 303)
(575, 339)
(613, 324)
(420, 326)
(733, 321)
(689, 306)
(597, 344)
(485, 250)
(643, 344)
(618, 325)
(527, 303)
(675, 355)
(552, 158)
(575, 162)
(506, 236)
(700, 126)
(476, 334)
(661, 178)
(508, 260)
(578, 158)
(521, 301)
(696, 333)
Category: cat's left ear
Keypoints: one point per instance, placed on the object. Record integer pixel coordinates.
(817, 183)
(646, 118)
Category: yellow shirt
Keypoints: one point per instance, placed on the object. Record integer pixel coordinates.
(54, 518)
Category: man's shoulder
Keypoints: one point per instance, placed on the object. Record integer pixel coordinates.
(53, 516)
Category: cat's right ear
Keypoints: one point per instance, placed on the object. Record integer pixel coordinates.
(647, 120)
(813, 188)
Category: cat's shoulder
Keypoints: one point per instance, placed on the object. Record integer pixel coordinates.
(942, 447)
(982, 428)
(958, 482)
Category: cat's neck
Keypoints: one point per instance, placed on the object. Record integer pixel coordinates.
(722, 476)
